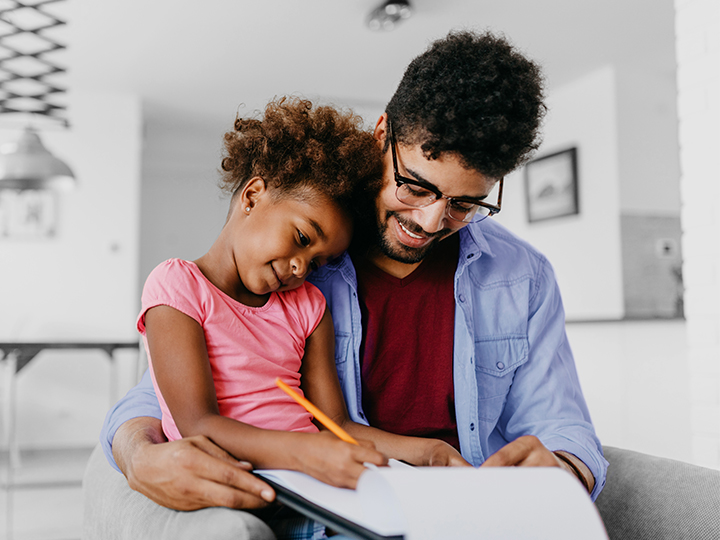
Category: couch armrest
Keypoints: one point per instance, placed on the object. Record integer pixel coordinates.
(651, 498)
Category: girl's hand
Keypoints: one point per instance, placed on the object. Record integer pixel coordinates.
(440, 454)
(333, 461)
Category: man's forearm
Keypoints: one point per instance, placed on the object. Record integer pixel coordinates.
(131, 436)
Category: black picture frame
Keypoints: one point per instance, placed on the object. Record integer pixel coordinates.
(551, 186)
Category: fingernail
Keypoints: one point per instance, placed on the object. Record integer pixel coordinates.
(267, 495)
(245, 464)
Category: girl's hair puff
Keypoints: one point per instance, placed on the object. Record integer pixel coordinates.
(296, 146)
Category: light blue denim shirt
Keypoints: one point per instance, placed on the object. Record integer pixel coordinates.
(513, 370)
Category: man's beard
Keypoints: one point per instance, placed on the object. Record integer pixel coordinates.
(371, 233)
(398, 251)
(372, 236)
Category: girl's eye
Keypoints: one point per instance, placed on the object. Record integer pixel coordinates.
(314, 265)
(304, 240)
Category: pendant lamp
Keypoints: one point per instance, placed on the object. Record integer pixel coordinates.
(27, 164)
(388, 15)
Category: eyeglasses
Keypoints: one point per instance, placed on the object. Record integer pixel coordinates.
(420, 195)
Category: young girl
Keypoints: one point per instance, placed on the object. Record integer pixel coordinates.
(221, 329)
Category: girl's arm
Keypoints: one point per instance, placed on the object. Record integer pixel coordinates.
(321, 386)
(184, 377)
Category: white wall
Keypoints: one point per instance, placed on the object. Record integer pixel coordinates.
(182, 207)
(81, 284)
(698, 52)
(649, 163)
(584, 249)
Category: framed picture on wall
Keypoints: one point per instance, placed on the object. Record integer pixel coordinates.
(551, 186)
(28, 215)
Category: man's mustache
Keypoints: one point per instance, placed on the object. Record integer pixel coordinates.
(415, 228)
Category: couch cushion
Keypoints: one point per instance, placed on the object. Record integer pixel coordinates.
(651, 498)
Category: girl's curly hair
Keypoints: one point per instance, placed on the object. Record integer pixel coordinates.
(473, 95)
(295, 146)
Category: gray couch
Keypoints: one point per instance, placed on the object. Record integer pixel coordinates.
(645, 498)
(652, 498)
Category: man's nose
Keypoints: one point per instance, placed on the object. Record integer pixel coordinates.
(432, 217)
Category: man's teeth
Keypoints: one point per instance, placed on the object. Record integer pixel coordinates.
(411, 235)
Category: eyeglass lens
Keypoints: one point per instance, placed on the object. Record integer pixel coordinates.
(420, 197)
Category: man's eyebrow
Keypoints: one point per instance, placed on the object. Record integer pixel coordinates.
(418, 177)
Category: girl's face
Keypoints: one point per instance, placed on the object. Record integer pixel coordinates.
(281, 240)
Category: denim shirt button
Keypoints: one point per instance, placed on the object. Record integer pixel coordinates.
(461, 298)
(471, 255)
(472, 427)
(500, 365)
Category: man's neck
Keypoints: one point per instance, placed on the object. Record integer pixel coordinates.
(395, 268)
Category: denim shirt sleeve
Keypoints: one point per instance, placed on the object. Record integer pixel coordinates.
(514, 372)
(139, 401)
(545, 398)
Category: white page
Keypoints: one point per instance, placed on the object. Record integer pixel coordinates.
(343, 502)
(435, 503)
(492, 504)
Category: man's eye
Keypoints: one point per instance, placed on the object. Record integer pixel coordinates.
(416, 191)
(304, 240)
(462, 206)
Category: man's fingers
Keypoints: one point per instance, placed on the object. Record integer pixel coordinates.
(526, 451)
(224, 473)
(223, 495)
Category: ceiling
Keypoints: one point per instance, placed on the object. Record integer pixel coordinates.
(201, 60)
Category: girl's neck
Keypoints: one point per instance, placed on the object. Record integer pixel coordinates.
(218, 266)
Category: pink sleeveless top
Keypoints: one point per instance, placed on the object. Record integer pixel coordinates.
(248, 347)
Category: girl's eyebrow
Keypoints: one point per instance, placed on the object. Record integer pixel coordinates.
(318, 229)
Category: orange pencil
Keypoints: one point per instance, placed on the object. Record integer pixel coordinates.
(317, 413)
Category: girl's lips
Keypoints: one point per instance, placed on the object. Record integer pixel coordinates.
(408, 238)
(280, 282)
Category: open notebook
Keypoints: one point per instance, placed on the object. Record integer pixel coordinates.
(438, 503)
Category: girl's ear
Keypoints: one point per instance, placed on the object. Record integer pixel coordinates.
(252, 193)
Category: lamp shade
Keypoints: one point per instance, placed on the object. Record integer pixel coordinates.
(27, 164)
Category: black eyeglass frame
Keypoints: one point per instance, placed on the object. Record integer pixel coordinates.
(400, 180)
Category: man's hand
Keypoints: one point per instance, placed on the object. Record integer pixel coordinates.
(186, 474)
(525, 451)
(528, 451)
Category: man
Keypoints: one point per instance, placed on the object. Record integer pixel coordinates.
(447, 325)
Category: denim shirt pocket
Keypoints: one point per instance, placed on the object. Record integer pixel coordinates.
(496, 360)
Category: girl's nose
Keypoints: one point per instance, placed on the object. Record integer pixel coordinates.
(299, 267)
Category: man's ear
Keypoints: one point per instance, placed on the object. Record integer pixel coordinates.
(381, 129)
(252, 193)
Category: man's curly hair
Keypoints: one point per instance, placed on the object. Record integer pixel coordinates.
(473, 95)
(297, 148)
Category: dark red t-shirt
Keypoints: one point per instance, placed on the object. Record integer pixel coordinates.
(407, 348)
